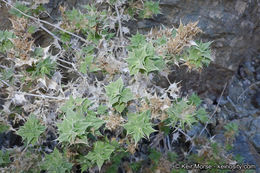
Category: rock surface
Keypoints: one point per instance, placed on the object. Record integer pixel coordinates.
(241, 105)
(233, 25)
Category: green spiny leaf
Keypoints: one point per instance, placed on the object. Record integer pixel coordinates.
(143, 59)
(4, 158)
(182, 113)
(118, 95)
(20, 7)
(5, 40)
(56, 162)
(232, 126)
(202, 115)
(102, 152)
(31, 130)
(113, 90)
(3, 127)
(198, 55)
(138, 126)
(195, 100)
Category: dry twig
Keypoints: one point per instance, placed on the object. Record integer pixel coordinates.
(42, 96)
(214, 111)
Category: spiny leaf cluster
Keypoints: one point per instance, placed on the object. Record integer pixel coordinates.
(139, 126)
(44, 67)
(75, 126)
(198, 55)
(118, 95)
(88, 64)
(185, 112)
(31, 130)
(4, 158)
(56, 162)
(5, 40)
(150, 8)
(101, 152)
(143, 57)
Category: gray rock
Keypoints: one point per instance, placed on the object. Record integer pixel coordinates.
(243, 145)
(196, 129)
(220, 138)
(222, 101)
(243, 148)
(258, 74)
(256, 141)
(256, 100)
(132, 108)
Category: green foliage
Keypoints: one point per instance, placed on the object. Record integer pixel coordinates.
(77, 18)
(88, 60)
(7, 75)
(101, 152)
(138, 126)
(202, 115)
(32, 29)
(143, 58)
(88, 23)
(4, 158)
(116, 160)
(231, 130)
(198, 55)
(102, 109)
(181, 170)
(79, 105)
(38, 52)
(239, 158)
(231, 127)
(36, 10)
(65, 37)
(172, 156)
(31, 130)
(3, 128)
(154, 156)
(136, 166)
(184, 113)
(56, 163)
(137, 41)
(118, 95)
(150, 8)
(76, 126)
(44, 67)
(5, 40)
(81, 121)
(20, 7)
(91, 18)
(212, 155)
(194, 99)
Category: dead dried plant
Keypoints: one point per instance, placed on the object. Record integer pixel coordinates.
(184, 35)
(157, 106)
(114, 121)
(23, 41)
